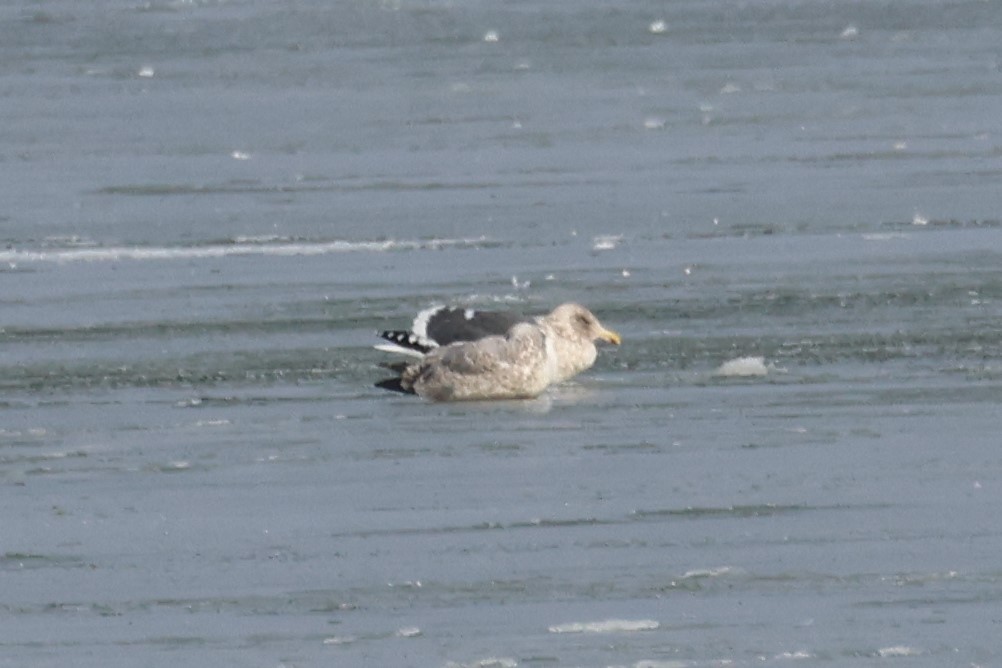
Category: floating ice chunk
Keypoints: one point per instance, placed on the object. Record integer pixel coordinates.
(730, 88)
(146, 72)
(654, 123)
(658, 27)
(408, 632)
(606, 626)
(491, 36)
(919, 219)
(742, 367)
(850, 32)
(240, 155)
(339, 640)
(605, 241)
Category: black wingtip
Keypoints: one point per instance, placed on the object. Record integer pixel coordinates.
(407, 340)
(393, 385)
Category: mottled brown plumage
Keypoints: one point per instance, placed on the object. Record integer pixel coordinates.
(517, 365)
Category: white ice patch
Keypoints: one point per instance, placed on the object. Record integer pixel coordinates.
(489, 662)
(743, 367)
(604, 242)
(607, 626)
(408, 632)
(884, 236)
(219, 250)
(794, 656)
(222, 422)
(897, 650)
(708, 572)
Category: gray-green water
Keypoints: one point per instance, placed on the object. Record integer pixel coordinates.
(209, 208)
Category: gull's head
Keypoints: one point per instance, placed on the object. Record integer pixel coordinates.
(576, 319)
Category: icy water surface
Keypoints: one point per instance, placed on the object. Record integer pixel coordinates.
(790, 210)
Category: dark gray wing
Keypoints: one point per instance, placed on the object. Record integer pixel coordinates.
(448, 325)
(442, 325)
